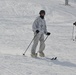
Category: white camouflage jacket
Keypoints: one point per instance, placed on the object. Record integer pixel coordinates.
(40, 24)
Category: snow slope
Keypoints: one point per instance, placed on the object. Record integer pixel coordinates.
(16, 18)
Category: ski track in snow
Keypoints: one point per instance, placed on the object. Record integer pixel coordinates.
(16, 18)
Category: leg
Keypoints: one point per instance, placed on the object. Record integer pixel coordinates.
(35, 43)
(42, 46)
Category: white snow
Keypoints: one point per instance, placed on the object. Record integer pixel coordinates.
(16, 18)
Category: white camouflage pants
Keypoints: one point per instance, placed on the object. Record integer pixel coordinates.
(39, 37)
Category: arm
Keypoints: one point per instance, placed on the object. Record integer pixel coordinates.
(45, 29)
(35, 25)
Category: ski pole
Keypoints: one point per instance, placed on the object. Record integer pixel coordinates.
(73, 33)
(29, 44)
(45, 38)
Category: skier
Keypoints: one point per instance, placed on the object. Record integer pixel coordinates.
(39, 29)
(74, 31)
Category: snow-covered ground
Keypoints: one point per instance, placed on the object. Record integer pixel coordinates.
(16, 18)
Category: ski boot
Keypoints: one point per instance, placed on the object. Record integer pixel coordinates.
(34, 55)
(41, 54)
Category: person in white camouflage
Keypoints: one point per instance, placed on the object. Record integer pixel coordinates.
(39, 28)
(74, 31)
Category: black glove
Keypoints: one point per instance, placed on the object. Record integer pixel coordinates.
(37, 31)
(48, 33)
(74, 23)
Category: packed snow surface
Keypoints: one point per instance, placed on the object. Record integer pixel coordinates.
(16, 19)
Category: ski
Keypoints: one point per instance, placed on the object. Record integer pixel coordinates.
(47, 58)
(54, 58)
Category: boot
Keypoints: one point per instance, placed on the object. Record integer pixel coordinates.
(41, 54)
(34, 55)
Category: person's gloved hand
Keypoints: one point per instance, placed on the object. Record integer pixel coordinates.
(48, 33)
(74, 23)
(37, 31)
